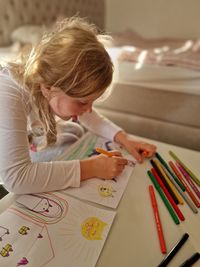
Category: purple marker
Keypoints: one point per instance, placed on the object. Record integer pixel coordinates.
(189, 180)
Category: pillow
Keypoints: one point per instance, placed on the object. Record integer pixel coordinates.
(28, 34)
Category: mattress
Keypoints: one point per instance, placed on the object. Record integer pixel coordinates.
(175, 79)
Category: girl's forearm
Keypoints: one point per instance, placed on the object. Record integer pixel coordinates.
(121, 137)
(87, 169)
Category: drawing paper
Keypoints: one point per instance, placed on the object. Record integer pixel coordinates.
(51, 229)
(104, 192)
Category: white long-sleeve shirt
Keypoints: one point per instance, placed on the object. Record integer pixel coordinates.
(18, 173)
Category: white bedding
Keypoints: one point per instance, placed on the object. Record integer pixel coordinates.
(157, 77)
(9, 53)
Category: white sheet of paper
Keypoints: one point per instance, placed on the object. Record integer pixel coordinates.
(51, 229)
(104, 192)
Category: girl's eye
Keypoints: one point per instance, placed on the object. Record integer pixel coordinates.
(83, 103)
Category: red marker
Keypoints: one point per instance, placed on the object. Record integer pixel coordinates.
(175, 207)
(157, 220)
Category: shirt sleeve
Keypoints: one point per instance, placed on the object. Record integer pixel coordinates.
(99, 125)
(17, 171)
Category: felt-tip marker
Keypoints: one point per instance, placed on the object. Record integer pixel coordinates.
(100, 150)
(174, 250)
(189, 262)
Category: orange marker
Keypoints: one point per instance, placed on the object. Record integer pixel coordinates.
(103, 151)
(144, 153)
(111, 154)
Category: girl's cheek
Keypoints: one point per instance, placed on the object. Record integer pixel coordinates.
(75, 108)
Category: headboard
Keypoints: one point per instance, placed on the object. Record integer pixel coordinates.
(15, 13)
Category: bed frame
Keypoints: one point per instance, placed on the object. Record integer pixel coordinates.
(168, 116)
(14, 13)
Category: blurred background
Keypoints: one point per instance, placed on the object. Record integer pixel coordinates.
(155, 18)
(156, 55)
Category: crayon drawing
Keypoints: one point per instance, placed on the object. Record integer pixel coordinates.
(51, 229)
(104, 192)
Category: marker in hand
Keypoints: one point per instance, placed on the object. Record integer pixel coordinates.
(111, 154)
(144, 153)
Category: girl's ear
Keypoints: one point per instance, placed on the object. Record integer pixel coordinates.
(46, 90)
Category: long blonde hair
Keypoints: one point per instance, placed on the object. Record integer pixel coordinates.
(72, 57)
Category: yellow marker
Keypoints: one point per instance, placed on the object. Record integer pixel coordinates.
(130, 163)
(169, 182)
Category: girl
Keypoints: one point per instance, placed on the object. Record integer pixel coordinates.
(61, 77)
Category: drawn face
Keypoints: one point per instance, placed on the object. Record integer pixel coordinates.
(48, 208)
(106, 190)
(92, 228)
(42, 206)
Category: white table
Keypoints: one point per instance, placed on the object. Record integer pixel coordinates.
(133, 241)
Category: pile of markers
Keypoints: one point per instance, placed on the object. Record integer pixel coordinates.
(175, 184)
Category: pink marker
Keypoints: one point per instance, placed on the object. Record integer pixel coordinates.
(189, 180)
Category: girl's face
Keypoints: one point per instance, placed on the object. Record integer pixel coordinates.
(67, 107)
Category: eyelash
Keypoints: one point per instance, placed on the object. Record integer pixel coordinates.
(84, 104)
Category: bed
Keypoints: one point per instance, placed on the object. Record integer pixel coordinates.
(22, 21)
(156, 100)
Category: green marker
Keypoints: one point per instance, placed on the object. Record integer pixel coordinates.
(158, 156)
(192, 175)
(162, 195)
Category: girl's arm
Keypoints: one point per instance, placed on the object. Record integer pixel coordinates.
(102, 126)
(17, 171)
(99, 125)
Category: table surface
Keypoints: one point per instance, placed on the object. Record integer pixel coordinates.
(133, 240)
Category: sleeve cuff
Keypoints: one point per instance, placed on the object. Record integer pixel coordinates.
(77, 174)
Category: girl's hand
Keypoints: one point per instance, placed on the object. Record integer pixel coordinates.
(138, 149)
(102, 166)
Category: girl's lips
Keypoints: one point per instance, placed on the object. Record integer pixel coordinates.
(74, 118)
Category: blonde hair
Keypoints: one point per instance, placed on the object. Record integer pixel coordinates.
(72, 57)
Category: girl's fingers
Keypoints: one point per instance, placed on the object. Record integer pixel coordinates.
(147, 150)
(116, 153)
(121, 161)
(137, 156)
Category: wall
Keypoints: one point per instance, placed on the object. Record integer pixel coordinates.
(155, 18)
